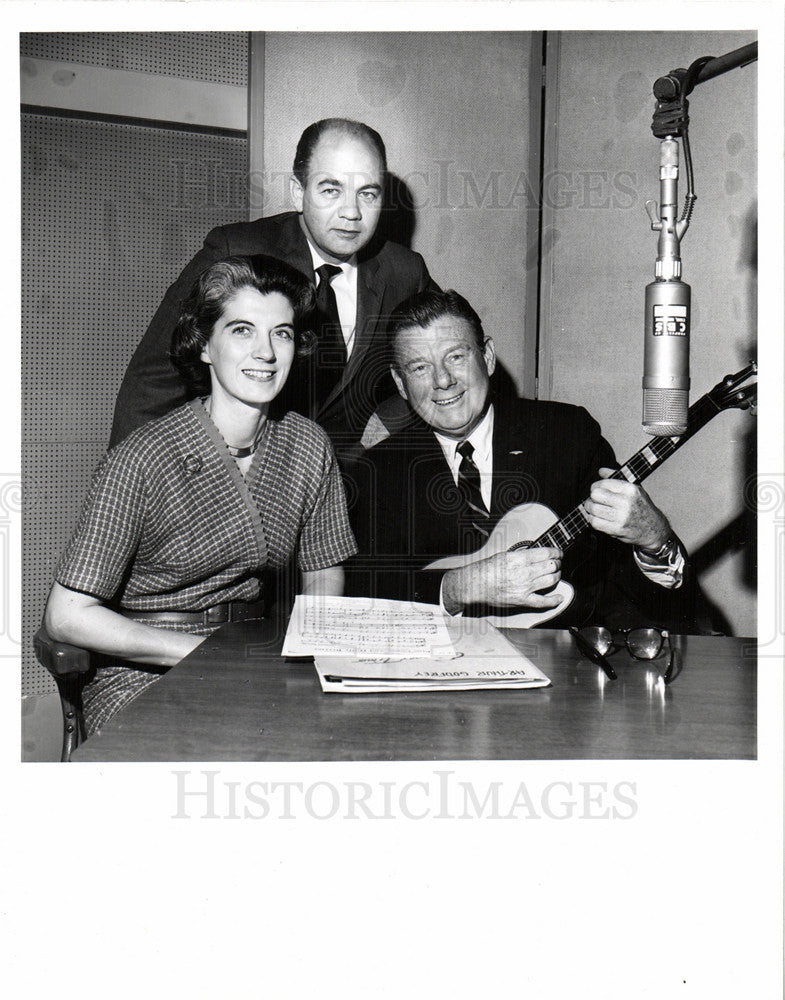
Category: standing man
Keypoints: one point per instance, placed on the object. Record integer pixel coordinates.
(438, 487)
(336, 188)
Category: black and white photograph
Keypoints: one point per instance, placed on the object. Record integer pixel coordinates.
(400, 441)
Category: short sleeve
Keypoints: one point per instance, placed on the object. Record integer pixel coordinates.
(107, 534)
(326, 538)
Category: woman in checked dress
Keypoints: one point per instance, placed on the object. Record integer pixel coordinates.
(184, 516)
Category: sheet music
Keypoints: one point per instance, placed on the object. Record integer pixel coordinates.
(362, 645)
(361, 627)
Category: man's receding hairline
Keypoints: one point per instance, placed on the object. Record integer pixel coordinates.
(346, 133)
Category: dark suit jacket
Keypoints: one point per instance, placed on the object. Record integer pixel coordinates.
(404, 506)
(387, 274)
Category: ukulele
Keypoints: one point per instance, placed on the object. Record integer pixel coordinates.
(533, 525)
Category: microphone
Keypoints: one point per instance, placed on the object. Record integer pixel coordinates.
(666, 360)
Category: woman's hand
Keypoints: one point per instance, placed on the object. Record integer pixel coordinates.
(84, 620)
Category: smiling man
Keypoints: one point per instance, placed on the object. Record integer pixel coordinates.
(439, 488)
(331, 237)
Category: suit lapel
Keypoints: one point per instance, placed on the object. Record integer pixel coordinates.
(511, 454)
(370, 288)
(293, 246)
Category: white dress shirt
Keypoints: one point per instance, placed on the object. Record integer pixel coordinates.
(481, 439)
(345, 288)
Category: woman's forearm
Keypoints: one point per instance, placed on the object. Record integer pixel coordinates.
(323, 582)
(84, 621)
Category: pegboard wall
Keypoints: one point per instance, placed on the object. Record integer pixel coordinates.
(213, 56)
(111, 213)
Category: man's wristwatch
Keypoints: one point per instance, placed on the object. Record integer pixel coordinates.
(664, 553)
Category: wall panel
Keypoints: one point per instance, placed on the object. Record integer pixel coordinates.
(213, 56)
(454, 111)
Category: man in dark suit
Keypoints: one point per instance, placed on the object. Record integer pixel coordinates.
(438, 487)
(336, 189)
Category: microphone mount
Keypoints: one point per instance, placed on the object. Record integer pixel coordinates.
(671, 119)
(671, 114)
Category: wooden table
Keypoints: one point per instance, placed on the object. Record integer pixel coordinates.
(234, 698)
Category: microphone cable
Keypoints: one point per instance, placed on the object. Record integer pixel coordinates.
(672, 120)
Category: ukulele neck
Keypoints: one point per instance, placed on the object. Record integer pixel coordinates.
(562, 534)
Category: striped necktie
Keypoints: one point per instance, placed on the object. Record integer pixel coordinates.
(474, 516)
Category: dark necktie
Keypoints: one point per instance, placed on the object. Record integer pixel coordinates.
(474, 516)
(331, 347)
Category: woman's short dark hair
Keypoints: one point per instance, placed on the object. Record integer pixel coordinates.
(346, 126)
(428, 307)
(213, 289)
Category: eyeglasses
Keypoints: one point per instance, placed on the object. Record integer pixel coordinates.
(596, 642)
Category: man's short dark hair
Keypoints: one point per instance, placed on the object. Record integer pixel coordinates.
(346, 126)
(428, 307)
(213, 289)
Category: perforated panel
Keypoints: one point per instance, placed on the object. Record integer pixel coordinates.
(214, 56)
(110, 215)
(56, 478)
